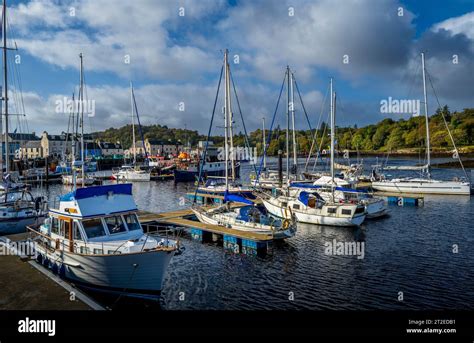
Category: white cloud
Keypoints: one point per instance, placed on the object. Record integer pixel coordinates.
(319, 34)
(159, 104)
(463, 24)
(110, 33)
(181, 54)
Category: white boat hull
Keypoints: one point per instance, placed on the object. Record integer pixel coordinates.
(250, 227)
(69, 180)
(423, 187)
(375, 208)
(139, 274)
(132, 176)
(313, 218)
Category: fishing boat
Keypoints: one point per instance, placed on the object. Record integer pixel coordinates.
(308, 206)
(94, 239)
(424, 184)
(133, 172)
(250, 218)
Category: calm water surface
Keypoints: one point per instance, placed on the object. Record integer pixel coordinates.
(410, 251)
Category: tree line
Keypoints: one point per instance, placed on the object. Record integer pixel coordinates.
(387, 135)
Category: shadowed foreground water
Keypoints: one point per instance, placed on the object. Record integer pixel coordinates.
(410, 251)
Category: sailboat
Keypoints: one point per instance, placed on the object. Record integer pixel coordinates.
(249, 217)
(424, 184)
(308, 206)
(81, 178)
(270, 179)
(18, 208)
(132, 172)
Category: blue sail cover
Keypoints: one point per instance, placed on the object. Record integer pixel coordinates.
(236, 198)
(342, 189)
(303, 197)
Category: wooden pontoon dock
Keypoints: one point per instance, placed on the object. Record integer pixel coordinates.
(250, 243)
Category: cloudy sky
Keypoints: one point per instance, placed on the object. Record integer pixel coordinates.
(172, 51)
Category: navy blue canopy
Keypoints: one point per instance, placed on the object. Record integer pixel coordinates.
(236, 198)
(89, 192)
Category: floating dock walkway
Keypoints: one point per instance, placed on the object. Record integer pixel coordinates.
(237, 241)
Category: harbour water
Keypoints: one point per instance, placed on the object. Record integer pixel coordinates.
(416, 258)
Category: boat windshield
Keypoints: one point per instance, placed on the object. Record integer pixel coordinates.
(115, 224)
(132, 222)
(93, 228)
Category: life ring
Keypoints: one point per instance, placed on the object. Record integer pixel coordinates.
(286, 224)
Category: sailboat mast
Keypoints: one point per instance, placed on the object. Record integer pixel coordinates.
(264, 145)
(134, 145)
(5, 85)
(226, 119)
(230, 117)
(288, 124)
(292, 105)
(332, 138)
(81, 97)
(428, 147)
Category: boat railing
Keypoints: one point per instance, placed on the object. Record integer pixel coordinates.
(160, 231)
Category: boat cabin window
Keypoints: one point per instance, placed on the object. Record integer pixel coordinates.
(77, 232)
(115, 224)
(346, 211)
(332, 210)
(132, 222)
(55, 225)
(93, 228)
(65, 229)
(296, 206)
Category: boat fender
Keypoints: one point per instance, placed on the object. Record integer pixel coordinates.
(46, 262)
(54, 268)
(62, 270)
(39, 259)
